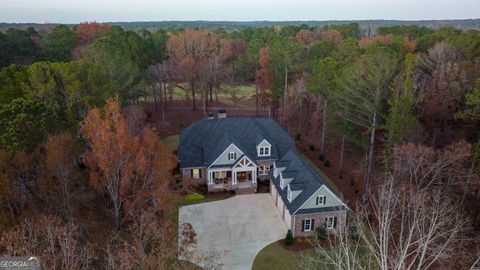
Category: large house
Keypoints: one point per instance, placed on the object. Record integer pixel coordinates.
(235, 153)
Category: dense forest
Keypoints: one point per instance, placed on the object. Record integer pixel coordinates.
(85, 184)
(230, 26)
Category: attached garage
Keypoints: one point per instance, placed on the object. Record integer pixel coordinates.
(280, 206)
(273, 192)
(287, 218)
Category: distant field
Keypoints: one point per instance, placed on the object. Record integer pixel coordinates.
(171, 142)
(243, 93)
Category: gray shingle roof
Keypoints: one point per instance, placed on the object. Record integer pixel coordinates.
(203, 141)
(305, 179)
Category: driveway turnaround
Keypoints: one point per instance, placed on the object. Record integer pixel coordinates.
(231, 232)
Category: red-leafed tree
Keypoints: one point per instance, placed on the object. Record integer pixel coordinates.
(86, 32)
(264, 77)
(133, 169)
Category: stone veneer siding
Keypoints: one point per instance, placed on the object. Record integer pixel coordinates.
(319, 218)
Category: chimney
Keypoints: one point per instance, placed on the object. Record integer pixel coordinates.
(222, 114)
(210, 116)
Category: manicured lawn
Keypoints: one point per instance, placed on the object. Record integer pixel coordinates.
(194, 197)
(171, 142)
(206, 198)
(274, 256)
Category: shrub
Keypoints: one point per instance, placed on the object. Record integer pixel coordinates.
(194, 197)
(289, 238)
(354, 234)
(321, 158)
(298, 137)
(326, 163)
(201, 188)
(264, 183)
(321, 233)
(311, 147)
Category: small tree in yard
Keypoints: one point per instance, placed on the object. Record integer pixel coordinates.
(289, 238)
(321, 233)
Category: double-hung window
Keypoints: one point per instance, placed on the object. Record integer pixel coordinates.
(264, 151)
(321, 200)
(196, 173)
(220, 174)
(263, 169)
(330, 222)
(307, 225)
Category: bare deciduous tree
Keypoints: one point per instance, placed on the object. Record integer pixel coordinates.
(401, 228)
(55, 242)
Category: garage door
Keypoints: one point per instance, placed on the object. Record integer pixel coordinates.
(280, 205)
(287, 218)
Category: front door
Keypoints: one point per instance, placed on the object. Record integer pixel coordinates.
(243, 176)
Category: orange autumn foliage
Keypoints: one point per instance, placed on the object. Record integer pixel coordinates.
(134, 170)
(87, 31)
(331, 35)
(264, 76)
(367, 41)
(305, 37)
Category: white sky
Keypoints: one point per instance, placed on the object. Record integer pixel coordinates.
(74, 11)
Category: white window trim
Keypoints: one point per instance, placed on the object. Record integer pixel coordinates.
(323, 197)
(220, 174)
(263, 169)
(330, 223)
(197, 176)
(266, 151)
(309, 225)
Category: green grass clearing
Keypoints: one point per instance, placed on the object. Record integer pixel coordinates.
(171, 142)
(274, 256)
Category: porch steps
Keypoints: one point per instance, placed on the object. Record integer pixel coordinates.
(243, 191)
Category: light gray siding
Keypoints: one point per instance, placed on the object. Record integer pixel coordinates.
(223, 158)
(331, 199)
(264, 143)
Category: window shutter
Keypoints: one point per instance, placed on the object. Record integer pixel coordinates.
(191, 173)
(324, 199)
(313, 224)
(199, 173)
(326, 222)
(303, 225)
(334, 222)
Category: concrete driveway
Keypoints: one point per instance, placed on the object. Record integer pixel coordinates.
(231, 232)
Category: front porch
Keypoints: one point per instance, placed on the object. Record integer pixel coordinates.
(231, 179)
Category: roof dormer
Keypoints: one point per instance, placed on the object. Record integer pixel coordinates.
(264, 149)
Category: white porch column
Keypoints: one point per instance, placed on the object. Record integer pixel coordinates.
(234, 177)
(209, 177)
(254, 176)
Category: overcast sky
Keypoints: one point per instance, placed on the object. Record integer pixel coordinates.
(74, 11)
